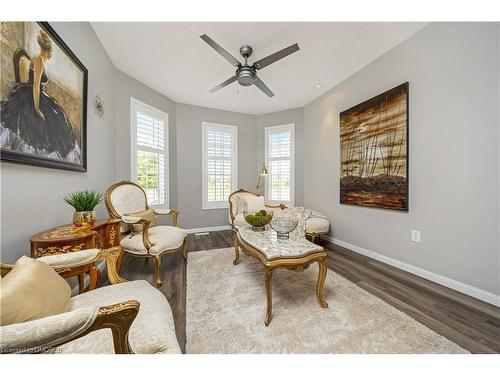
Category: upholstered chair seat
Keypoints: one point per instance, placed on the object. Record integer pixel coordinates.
(141, 237)
(163, 237)
(152, 332)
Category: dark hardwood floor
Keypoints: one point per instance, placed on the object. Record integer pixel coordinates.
(472, 324)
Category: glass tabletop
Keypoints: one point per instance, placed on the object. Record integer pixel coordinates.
(272, 247)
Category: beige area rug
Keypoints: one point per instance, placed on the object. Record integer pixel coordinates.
(226, 307)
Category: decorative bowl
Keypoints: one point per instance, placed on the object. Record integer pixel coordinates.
(283, 227)
(258, 220)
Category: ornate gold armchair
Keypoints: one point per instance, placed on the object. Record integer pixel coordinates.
(124, 200)
(314, 226)
(85, 327)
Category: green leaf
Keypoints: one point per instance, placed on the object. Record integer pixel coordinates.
(83, 200)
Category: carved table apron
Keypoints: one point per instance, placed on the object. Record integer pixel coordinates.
(294, 255)
(102, 234)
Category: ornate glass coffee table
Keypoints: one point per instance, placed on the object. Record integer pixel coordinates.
(293, 254)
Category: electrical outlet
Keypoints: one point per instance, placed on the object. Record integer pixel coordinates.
(416, 236)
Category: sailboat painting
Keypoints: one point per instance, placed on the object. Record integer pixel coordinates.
(374, 151)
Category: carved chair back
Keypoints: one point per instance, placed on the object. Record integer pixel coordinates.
(233, 202)
(125, 197)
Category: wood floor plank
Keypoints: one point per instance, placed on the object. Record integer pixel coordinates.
(472, 324)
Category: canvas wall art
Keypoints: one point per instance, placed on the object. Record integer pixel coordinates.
(43, 98)
(374, 151)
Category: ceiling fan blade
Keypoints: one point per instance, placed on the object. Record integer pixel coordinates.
(261, 85)
(224, 84)
(262, 63)
(221, 50)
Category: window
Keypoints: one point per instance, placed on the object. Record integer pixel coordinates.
(220, 164)
(149, 151)
(280, 143)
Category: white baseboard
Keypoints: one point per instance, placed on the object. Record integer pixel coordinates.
(443, 280)
(209, 229)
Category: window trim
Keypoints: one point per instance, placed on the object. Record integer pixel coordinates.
(133, 145)
(234, 130)
(267, 132)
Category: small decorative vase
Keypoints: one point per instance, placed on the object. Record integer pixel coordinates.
(283, 227)
(83, 217)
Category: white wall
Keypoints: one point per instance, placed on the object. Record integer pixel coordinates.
(31, 196)
(453, 71)
(189, 161)
(290, 116)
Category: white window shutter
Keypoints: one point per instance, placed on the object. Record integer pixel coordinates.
(150, 152)
(220, 164)
(279, 158)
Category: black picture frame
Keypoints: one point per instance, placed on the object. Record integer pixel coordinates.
(18, 158)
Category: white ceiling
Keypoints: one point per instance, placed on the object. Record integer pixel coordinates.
(171, 58)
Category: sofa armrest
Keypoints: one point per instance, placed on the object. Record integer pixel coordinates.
(145, 225)
(70, 260)
(61, 262)
(46, 334)
(277, 207)
(162, 211)
(167, 211)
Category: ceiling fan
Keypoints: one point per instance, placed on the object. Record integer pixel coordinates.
(246, 75)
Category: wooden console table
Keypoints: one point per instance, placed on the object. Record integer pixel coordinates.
(69, 238)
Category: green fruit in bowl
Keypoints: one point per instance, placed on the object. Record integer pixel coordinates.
(258, 219)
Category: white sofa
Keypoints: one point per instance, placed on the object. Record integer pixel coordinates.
(125, 317)
(314, 226)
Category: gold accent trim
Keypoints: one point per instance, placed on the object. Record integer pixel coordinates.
(118, 317)
(282, 206)
(296, 264)
(5, 269)
(111, 256)
(145, 235)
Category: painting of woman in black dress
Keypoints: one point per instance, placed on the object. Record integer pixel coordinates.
(43, 98)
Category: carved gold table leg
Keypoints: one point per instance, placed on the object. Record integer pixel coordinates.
(81, 283)
(236, 249)
(320, 283)
(269, 292)
(93, 277)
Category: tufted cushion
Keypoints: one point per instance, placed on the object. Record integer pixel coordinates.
(152, 331)
(163, 237)
(32, 290)
(317, 225)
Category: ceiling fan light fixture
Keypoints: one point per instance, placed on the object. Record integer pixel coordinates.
(246, 75)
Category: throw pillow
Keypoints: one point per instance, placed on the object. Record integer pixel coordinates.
(32, 290)
(255, 203)
(148, 214)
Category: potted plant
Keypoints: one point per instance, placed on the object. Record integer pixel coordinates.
(84, 203)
